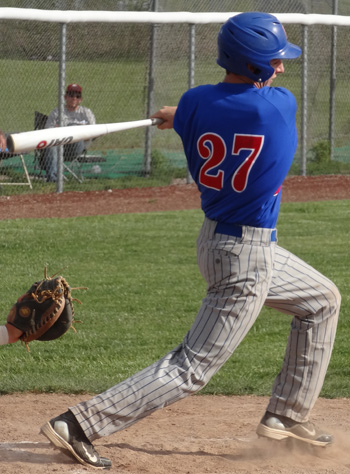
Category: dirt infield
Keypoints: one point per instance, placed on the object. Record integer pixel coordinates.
(202, 434)
(167, 198)
(199, 435)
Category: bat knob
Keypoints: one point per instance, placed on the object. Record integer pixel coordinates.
(157, 121)
(10, 144)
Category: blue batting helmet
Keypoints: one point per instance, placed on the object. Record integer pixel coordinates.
(253, 38)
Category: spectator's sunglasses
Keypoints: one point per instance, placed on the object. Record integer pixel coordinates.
(74, 94)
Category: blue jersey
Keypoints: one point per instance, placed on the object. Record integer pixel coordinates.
(239, 142)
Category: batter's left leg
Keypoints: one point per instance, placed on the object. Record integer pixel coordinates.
(314, 301)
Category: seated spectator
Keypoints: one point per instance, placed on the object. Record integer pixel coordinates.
(73, 114)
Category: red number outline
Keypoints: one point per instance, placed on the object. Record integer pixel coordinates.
(245, 142)
(212, 148)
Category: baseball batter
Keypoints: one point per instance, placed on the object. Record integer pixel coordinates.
(239, 137)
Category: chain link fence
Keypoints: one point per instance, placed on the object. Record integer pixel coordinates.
(128, 70)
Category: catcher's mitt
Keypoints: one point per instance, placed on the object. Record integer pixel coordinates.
(45, 312)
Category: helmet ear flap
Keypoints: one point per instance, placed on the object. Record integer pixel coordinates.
(255, 70)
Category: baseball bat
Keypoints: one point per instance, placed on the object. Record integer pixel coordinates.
(49, 137)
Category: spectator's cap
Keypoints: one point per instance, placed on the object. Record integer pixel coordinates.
(74, 88)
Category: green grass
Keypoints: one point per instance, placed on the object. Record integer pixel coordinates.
(144, 292)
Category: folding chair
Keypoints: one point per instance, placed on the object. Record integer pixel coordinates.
(5, 156)
(39, 123)
(39, 155)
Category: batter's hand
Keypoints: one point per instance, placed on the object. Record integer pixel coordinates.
(167, 114)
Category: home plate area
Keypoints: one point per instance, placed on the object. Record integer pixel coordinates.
(201, 434)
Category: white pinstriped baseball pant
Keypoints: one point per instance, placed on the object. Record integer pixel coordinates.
(243, 274)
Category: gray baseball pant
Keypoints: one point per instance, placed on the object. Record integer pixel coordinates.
(243, 274)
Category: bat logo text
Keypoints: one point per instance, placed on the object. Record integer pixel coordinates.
(56, 142)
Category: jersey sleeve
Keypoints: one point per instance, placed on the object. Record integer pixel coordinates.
(182, 114)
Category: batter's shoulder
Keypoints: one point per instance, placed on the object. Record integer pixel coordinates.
(199, 91)
(277, 93)
(280, 98)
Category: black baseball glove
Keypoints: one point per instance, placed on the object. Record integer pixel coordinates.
(45, 312)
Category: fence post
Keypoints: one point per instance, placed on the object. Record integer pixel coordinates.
(61, 88)
(191, 69)
(304, 108)
(150, 95)
(332, 83)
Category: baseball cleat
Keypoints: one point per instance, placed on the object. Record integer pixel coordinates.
(280, 427)
(66, 434)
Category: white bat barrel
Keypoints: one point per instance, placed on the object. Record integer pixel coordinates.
(49, 137)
